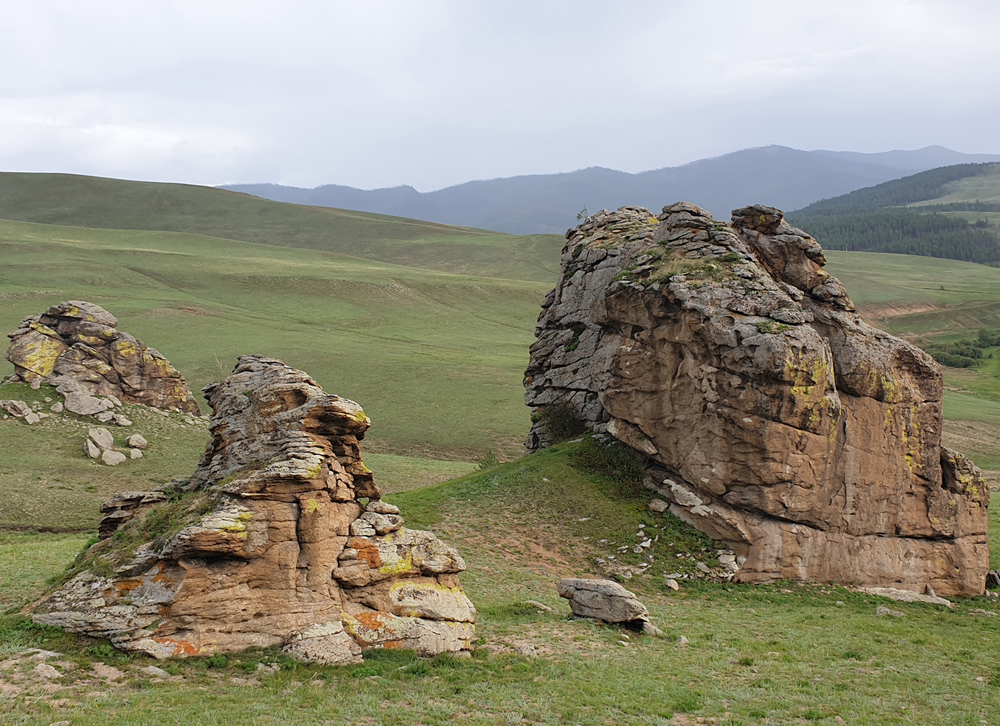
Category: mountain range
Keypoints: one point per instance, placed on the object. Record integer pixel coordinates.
(549, 203)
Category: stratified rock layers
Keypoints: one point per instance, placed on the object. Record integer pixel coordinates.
(268, 543)
(772, 417)
(76, 345)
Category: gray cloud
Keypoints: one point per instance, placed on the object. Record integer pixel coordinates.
(437, 92)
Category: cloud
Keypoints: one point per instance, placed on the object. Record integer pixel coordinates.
(441, 91)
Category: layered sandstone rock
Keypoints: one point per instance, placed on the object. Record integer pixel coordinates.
(77, 347)
(269, 542)
(771, 416)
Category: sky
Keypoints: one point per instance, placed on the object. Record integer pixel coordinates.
(432, 93)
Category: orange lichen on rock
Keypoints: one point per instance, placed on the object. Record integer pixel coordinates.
(269, 545)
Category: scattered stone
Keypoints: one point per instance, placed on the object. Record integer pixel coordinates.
(44, 670)
(321, 591)
(91, 449)
(137, 441)
(102, 437)
(105, 416)
(112, 458)
(527, 650)
(658, 505)
(603, 600)
(703, 568)
(121, 420)
(672, 584)
(35, 384)
(905, 595)
(17, 409)
(883, 610)
(379, 507)
(77, 347)
(840, 603)
(32, 418)
(538, 606)
(683, 642)
(109, 673)
(268, 669)
(980, 611)
(754, 293)
(134, 454)
(155, 672)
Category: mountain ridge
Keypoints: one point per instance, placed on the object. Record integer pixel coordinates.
(548, 203)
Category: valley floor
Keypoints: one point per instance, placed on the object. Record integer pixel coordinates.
(780, 654)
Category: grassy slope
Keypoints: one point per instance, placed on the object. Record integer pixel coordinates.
(94, 202)
(436, 358)
(768, 654)
(978, 188)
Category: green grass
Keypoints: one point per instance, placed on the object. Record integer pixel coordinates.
(980, 188)
(98, 203)
(435, 358)
(779, 654)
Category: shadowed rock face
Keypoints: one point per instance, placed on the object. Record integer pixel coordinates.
(77, 347)
(772, 417)
(268, 543)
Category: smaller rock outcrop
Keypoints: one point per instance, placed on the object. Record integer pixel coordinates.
(279, 538)
(77, 347)
(605, 600)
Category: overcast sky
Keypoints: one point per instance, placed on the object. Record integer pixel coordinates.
(430, 93)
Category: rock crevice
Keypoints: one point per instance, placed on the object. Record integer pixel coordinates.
(772, 416)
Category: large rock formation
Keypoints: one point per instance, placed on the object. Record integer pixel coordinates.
(77, 347)
(772, 417)
(268, 543)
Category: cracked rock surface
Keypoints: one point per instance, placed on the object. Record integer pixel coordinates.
(262, 545)
(772, 417)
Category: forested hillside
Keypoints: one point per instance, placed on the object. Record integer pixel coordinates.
(902, 217)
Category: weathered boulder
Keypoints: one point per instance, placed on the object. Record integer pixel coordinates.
(257, 547)
(77, 347)
(771, 416)
(137, 441)
(604, 600)
(17, 409)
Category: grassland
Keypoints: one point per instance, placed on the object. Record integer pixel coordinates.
(436, 358)
(780, 654)
(979, 188)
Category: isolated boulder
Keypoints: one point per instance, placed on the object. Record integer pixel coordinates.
(771, 417)
(603, 600)
(77, 347)
(259, 548)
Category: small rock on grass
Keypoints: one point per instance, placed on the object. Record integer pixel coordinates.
(102, 437)
(137, 441)
(56, 407)
(32, 418)
(683, 642)
(157, 672)
(538, 605)
(112, 458)
(527, 650)
(658, 505)
(135, 454)
(882, 610)
(672, 584)
(91, 449)
(44, 670)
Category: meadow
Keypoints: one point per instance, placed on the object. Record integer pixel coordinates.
(428, 327)
(778, 654)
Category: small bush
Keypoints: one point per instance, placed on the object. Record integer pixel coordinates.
(618, 462)
(561, 422)
(217, 661)
(488, 460)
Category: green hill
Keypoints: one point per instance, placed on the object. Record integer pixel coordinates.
(951, 212)
(98, 203)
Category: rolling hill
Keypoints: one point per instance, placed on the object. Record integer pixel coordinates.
(774, 175)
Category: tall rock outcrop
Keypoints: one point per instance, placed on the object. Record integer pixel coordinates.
(77, 347)
(270, 542)
(771, 415)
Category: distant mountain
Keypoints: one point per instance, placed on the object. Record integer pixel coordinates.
(548, 203)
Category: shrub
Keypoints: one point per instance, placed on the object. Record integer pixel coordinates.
(618, 462)
(561, 422)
